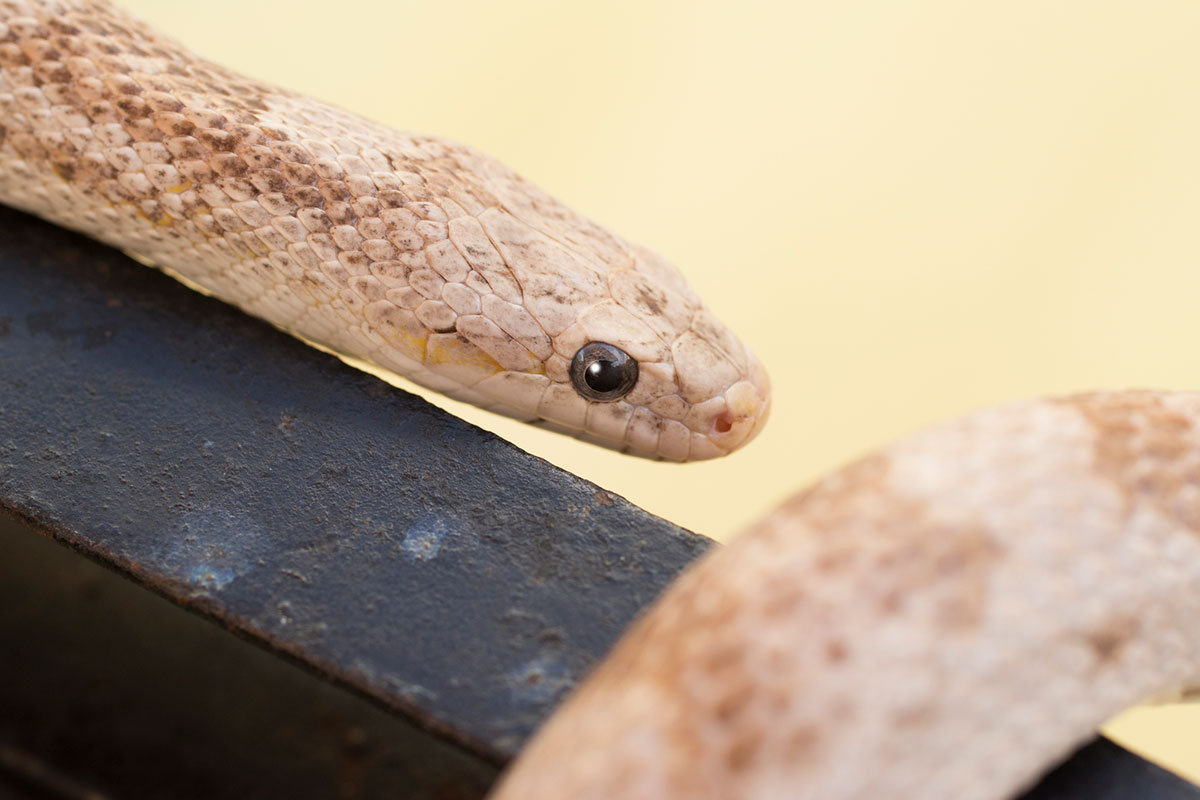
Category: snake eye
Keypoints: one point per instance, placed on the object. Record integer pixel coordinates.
(602, 372)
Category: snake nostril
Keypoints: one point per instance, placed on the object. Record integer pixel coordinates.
(723, 424)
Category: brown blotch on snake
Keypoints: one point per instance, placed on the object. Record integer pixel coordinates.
(1143, 447)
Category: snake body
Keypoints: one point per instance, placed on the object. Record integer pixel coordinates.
(411, 252)
(942, 619)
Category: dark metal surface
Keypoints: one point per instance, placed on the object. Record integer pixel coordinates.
(410, 557)
(304, 504)
(1105, 771)
(107, 689)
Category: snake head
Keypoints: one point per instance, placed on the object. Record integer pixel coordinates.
(654, 373)
(507, 299)
(598, 339)
(531, 310)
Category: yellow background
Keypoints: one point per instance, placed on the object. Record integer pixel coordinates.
(908, 209)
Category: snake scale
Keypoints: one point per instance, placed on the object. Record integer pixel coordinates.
(944, 618)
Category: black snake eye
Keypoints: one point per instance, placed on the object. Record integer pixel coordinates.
(602, 372)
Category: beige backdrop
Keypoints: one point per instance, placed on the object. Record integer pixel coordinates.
(908, 209)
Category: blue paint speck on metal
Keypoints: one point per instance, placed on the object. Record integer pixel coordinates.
(218, 547)
(424, 538)
(541, 680)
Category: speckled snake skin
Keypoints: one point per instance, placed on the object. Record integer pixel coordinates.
(942, 619)
(414, 253)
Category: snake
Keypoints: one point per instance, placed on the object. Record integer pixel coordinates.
(943, 618)
(412, 253)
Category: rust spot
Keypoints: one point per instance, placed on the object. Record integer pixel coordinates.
(603, 498)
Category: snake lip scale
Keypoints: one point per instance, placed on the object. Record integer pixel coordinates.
(957, 610)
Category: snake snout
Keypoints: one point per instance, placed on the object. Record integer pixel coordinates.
(747, 406)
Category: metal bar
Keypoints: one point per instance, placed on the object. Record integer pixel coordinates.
(356, 528)
(107, 690)
(1102, 770)
(399, 552)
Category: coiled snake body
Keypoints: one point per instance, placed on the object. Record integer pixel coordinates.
(941, 619)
